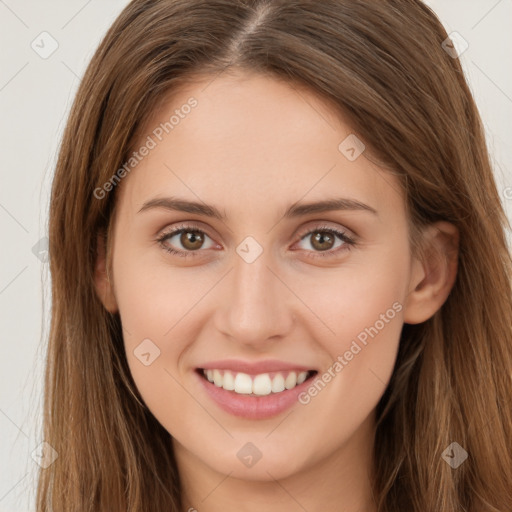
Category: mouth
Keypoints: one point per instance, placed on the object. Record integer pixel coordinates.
(256, 385)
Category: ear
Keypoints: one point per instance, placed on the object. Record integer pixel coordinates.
(434, 276)
(104, 287)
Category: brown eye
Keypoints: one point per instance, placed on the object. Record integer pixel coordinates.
(322, 240)
(191, 240)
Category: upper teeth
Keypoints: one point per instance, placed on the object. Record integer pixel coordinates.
(261, 384)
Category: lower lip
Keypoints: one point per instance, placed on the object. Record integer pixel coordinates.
(253, 407)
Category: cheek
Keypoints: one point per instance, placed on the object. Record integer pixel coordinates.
(370, 316)
(361, 301)
(153, 298)
(157, 306)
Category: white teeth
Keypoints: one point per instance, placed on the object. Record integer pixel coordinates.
(243, 384)
(229, 381)
(217, 378)
(301, 377)
(290, 381)
(278, 383)
(260, 385)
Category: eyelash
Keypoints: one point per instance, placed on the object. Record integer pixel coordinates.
(348, 241)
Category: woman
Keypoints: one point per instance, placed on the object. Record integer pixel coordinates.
(280, 271)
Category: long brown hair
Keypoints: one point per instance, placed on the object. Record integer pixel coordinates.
(383, 65)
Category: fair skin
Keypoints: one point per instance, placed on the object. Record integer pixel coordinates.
(252, 147)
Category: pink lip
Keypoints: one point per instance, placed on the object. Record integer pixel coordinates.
(266, 366)
(249, 406)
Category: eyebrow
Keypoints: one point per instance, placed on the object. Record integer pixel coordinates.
(295, 210)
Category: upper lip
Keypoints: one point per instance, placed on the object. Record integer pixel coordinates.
(254, 367)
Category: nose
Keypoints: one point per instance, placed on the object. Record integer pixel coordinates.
(256, 306)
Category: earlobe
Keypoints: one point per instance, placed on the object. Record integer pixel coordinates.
(102, 282)
(433, 278)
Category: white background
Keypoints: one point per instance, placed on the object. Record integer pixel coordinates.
(35, 97)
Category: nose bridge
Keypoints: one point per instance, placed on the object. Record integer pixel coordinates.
(255, 306)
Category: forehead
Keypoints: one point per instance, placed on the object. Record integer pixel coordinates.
(250, 141)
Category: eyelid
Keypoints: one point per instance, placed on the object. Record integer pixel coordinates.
(317, 225)
(183, 225)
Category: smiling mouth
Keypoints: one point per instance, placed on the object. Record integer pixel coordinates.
(256, 385)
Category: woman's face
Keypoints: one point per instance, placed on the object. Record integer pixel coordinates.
(262, 287)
